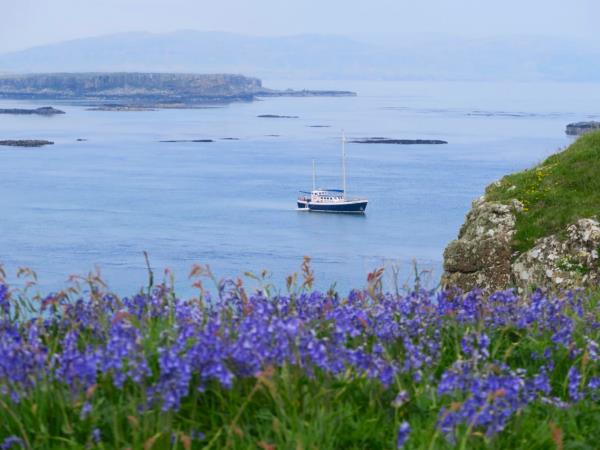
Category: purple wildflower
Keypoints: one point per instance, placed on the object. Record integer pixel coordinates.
(593, 388)
(402, 436)
(124, 358)
(11, 442)
(4, 300)
(197, 435)
(541, 383)
(574, 380)
(592, 349)
(77, 369)
(86, 409)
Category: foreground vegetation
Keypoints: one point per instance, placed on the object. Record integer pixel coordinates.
(556, 193)
(304, 370)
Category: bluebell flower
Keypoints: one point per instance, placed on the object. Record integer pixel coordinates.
(12, 442)
(96, 435)
(4, 300)
(403, 433)
(86, 409)
(574, 381)
(197, 435)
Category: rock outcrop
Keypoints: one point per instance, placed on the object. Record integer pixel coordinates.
(562, 262)
(579, 128)
(482, 255)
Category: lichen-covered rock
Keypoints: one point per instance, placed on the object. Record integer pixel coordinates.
(481, 256)
(561, 261)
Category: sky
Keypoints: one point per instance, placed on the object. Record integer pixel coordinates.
(27, 23)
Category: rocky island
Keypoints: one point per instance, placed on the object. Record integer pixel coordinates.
(275, 116)
(43, 111)
(128, 90)
(25, 142)
(382, 140)
(187, 140)
(536, 228)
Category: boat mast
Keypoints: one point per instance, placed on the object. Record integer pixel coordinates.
(314, 177)
(344, 164)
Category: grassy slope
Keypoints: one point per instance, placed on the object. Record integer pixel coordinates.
(556, 193)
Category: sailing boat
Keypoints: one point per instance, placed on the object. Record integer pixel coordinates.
(332, 200)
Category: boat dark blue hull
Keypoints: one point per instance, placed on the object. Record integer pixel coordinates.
(355, 207)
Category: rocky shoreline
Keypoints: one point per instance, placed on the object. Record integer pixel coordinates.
(579, 128)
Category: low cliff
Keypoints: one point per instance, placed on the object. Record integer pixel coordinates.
(536, 228)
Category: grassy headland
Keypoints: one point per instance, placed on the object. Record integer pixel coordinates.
(559, 191)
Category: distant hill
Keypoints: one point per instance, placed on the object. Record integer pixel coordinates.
(318, 56)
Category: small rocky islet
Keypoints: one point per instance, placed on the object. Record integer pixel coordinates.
(43, 111)
(276, 116)
(25, 142)
(121, 108)
(186, 140)
(383, 140)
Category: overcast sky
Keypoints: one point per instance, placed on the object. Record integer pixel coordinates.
(25, 23)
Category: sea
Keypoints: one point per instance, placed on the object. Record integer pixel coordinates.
(108, 190)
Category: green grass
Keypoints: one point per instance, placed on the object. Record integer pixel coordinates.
(556, 193)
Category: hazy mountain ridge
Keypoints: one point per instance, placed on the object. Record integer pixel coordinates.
(318, 56)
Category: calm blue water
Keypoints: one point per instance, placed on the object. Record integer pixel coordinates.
(69, 207)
